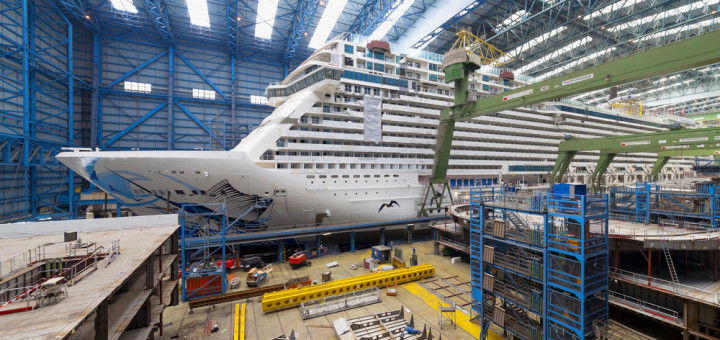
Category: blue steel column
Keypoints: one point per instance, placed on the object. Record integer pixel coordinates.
(410, 232)
(26, 105)
(171, 100)
(318, 242)
(71, 119)
(352, 241)
(233, 92)
(382, 236)
(96, 115)
(32, 98)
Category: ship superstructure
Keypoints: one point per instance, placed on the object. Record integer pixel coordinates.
(353, 130)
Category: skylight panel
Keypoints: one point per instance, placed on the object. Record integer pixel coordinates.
(575, 63)
(616, 6)
(515, 53)
(265, 18)
(124, 5)
(512, 20)
(547, 58)
(325, 26)
(676, 30)
(198, 12)
(397, 13)
(666, 14)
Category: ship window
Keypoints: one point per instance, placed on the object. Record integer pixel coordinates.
(396, 175)
(334, 176)
(356, 176)
(307, 166)
(182, 172)
(281, 166)
(319, 166)
(377, 175)
(323, 176)
(295, 166)
(179, 192)
(195, 192)
(280, 192)
(367, 176)
(345, 176)
(310, 176)
(197, 172)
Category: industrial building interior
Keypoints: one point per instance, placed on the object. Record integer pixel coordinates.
(359, 169)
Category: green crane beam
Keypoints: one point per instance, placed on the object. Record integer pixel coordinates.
(682, 55)
(692, 52)
(666, 144)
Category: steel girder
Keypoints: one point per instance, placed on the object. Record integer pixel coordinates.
(232, 26)
(157, 10)
(371, 16)
(82, 12)
(304, 14)
(449, 23)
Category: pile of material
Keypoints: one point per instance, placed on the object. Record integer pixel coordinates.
(388, 325)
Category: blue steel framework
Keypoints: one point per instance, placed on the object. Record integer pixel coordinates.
(648, 202)
(539, 280)
(37, 81)
(202, 244)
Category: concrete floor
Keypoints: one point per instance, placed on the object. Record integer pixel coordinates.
(183, 325)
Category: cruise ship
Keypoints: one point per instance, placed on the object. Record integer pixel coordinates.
(352, 139)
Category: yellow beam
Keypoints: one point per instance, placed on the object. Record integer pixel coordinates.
(291, 297)
(237, 316)
(242, 322)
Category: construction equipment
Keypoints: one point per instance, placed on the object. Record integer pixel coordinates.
(293, 297)
(666, 144)
(298, 282)
(391, 289)
(243, 294)
(446, 314)
(338, 303)
(255, 277)
(298, 260)
(685, 54)
(381, 254)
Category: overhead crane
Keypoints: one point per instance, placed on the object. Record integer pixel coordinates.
(666, 144)
(459, 63)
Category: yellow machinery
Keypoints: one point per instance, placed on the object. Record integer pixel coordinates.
(627, 105)
(487, 54)
(291, 297)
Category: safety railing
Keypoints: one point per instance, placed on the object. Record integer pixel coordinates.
(645, 306)
(676, 288)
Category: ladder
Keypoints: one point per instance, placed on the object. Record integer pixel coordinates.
(668, 258)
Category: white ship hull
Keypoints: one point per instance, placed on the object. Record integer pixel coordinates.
(150, 182)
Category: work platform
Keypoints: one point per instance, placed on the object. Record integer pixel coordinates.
(121, 295)
(281, 233)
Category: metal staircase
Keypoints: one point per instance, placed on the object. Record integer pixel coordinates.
(515, 220)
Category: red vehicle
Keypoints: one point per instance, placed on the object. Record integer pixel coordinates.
(229, 263)
(298, 260)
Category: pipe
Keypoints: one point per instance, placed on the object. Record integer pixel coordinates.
(649, 266)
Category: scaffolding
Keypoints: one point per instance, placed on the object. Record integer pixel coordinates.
(649, 202)
(203, 247)
(539, 263)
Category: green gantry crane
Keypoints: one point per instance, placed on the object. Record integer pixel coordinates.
(666, 144)
(459, 64)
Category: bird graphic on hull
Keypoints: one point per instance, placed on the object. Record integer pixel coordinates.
(388, 205)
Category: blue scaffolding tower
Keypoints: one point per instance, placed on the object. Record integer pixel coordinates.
(539, 263)
(648, 202)
(203, 250)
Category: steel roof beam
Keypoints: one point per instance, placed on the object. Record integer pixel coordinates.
(303, 17)
(157, 10)
(449, 23)
(371, 16)
(81, 11)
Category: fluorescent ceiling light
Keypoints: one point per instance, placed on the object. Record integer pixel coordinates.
(265, 18)
(616, 6)
(328, 20)
(512, 20)
(198, 12)
(124, 5)
(515, 53)
(396, 14)
(669, 13)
